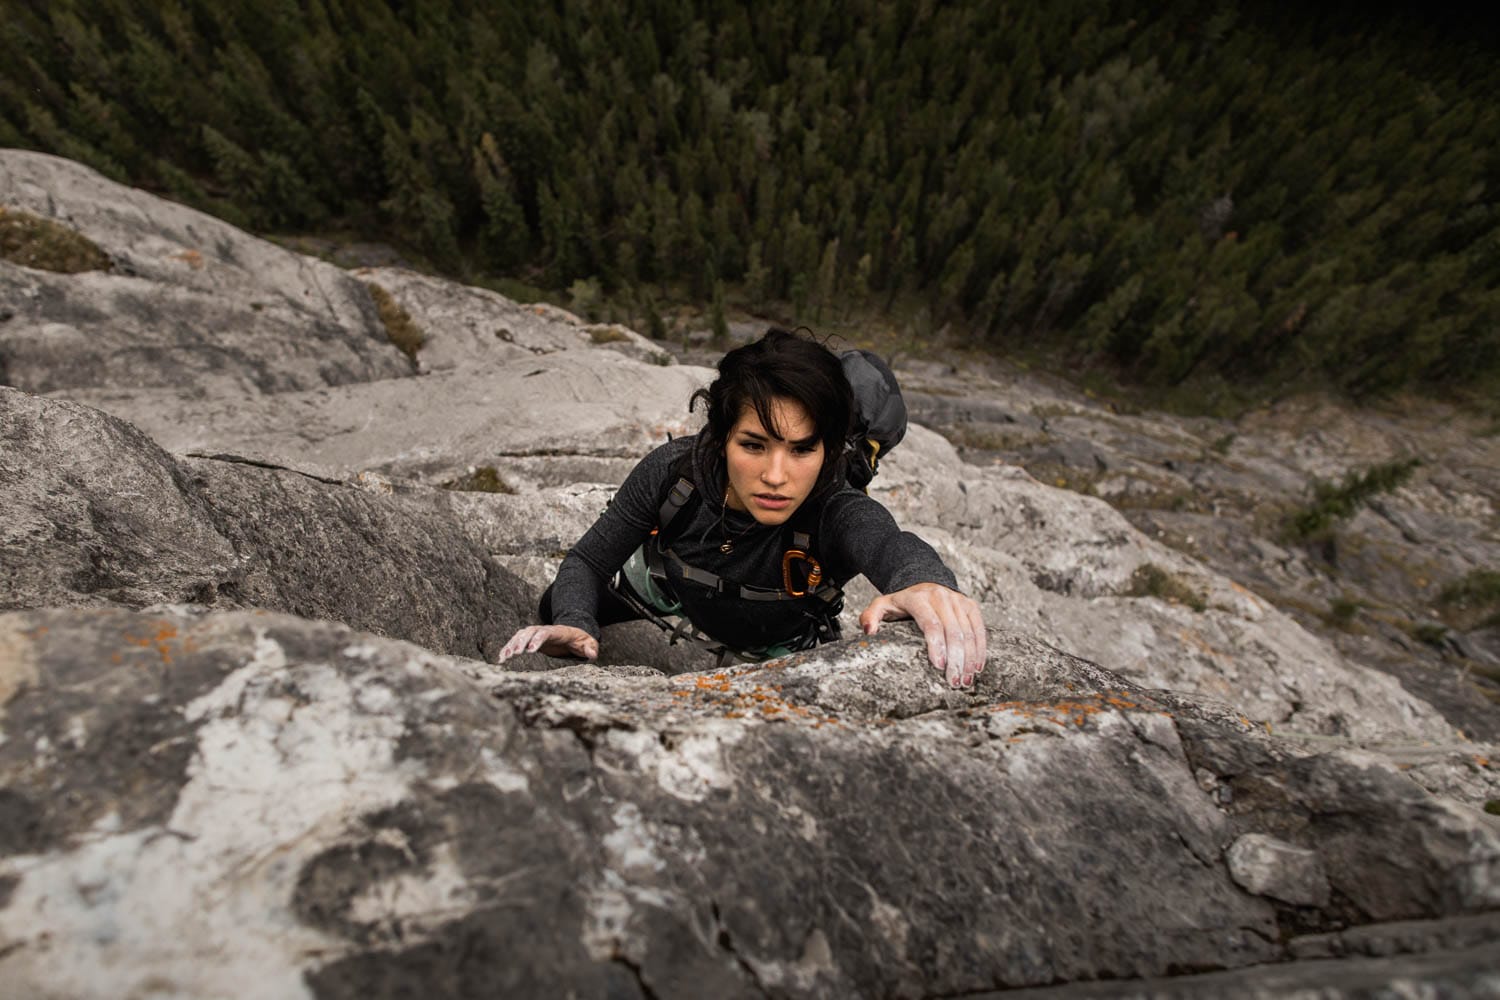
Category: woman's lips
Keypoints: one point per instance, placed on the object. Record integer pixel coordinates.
(771, 501)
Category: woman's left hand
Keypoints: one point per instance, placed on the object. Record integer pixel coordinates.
(951, 623)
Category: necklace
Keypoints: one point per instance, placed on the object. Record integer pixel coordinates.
(728, 545)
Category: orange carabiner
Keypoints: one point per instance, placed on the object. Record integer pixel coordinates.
(814, 573)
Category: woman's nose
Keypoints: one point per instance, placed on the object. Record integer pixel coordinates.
(775, 469)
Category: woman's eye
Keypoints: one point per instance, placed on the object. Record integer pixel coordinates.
(805, 449)
(750, 445)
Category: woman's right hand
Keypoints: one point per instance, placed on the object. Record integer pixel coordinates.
(553, 640)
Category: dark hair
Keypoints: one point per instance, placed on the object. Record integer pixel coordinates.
(780, 365)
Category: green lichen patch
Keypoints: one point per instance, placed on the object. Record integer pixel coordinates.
(480, 479)
(31, 241)
(399, 327)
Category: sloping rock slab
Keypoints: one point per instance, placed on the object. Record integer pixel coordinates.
(464, 326)
(190, 301)
(593, 403)
(1059, 565)
(253, 804)
(93, 512)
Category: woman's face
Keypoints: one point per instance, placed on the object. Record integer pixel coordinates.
(772, 476)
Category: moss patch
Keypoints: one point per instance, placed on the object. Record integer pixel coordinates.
(31, 241)
(607, 335)
(1150, 580)
(404, 333)
(481, 479)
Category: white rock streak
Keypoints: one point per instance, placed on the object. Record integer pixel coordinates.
(287, 757)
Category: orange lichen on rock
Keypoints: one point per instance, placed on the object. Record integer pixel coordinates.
(764, 701)
(1075, 712)
(163, 641)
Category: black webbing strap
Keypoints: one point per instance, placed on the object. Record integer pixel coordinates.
(683, 631)
(703, 578)
(677, 498)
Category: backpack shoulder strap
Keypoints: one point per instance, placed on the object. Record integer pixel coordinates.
(679, 494)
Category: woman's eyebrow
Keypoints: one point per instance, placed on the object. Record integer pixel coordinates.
(757, 436)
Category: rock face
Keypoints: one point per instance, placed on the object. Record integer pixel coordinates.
(251, 743)
(190, 302)
(1223, 491)
(829, 825)
(92, 511)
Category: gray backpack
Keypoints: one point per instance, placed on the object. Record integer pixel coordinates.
(879, 414)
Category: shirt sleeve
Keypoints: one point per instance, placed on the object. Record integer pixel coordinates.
(620, 530)
(864, 538)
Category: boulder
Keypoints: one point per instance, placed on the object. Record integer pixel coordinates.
(329, 813)
(1266, 866)
(93, 512)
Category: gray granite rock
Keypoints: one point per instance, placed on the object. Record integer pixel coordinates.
(222, 772)
(329, 813)
(190, 302)
(1266, 866)
(93, 512)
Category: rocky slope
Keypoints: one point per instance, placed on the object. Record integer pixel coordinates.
(1224, 493)
(250, 742)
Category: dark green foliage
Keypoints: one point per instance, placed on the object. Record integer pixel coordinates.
(1185, 192)
(1337, 502)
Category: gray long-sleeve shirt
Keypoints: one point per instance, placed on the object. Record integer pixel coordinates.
(855, 535)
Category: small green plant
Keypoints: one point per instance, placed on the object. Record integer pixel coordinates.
(404, 333)
(1492, 807)
(31, 241)
(1150, 580)
(607, 335)
(480, 479)
(1334, 503)
(1221, 444)
(1341, 612)
(1431, 633)
(1474, 597)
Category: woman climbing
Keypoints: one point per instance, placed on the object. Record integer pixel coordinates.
(745, 532)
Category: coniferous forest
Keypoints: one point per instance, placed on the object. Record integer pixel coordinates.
(1244, 191)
